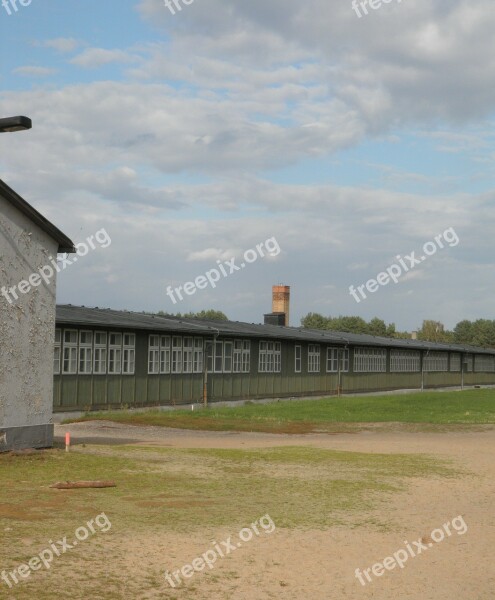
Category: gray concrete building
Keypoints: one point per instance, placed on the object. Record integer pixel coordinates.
(29, 244)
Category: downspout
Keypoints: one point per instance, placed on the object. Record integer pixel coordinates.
(423, 369)
(340, 375)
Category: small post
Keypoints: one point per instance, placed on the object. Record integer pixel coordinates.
(67, 441)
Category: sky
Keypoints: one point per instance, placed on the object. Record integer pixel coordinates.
(191, 136)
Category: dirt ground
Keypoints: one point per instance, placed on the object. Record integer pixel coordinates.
(321, 564)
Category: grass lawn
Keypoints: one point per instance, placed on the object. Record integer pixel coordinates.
(162, 492)
(474, 407)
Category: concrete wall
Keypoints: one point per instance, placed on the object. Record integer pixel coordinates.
(26, 334)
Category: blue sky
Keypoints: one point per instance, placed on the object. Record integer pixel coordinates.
(195, 136)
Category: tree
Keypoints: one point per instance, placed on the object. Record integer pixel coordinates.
(314, 321)
(433, 331)
(210, 315)
(348, 324)
(463, 332)
(377, 327)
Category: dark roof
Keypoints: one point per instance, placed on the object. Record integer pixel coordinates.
(68, 315)
(64, 243)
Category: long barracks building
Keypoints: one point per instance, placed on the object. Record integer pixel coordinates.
(110, 359)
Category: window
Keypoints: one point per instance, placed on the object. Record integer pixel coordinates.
(176, 355)
(436, 361)
(85, 352)
(468, 363)
(164, 354)
(455, 362)
(237, 356)
(405, 361)
(198, 355)
(246, 356)
(70, 352)
(209, 356)
(297, 358)
(115, 353)
(313, 358)
(336, 355)
(277, 358)
(218, 357)
(270, 357)
(100, 353)
(129, 354)
(227, 357)
(484, 363)
(262, 362)
(370, 360)
(57, 351)
(188, 355)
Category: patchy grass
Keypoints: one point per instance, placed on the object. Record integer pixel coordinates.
(163, 492)
(345, 414)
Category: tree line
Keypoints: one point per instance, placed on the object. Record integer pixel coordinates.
(476, 333)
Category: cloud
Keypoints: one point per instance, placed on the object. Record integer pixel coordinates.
(62, 45)
(92, 58)
(33, 71)
(408, 62)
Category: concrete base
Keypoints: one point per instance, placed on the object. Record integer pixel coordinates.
(29, 436)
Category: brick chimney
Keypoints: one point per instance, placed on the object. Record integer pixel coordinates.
(281, 301)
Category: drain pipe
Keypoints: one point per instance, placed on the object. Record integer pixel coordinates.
(423, 356)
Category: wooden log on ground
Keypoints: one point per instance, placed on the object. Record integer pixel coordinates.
(74, 485)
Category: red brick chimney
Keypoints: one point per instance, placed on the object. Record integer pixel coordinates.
(281, 301)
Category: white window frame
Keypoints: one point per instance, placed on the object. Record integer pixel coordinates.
(198, 355)
(177, 355)
(436, 362)
(334, 357)
(246, 356)
(484, 363)
(405, 361)
(297, 358)
(228, 356)
(70, 352)
(187, 354)
(128, 353)
(237, 358)
(153, 354)
(314, 358)
(262, 357)
(115, 354)
(218, 357)
(277, 358)
(165, 354)
(100, 353)
(370, 360)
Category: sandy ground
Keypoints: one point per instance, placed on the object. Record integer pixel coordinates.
(321, 564)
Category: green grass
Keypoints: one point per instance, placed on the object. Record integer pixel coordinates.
(162, 492)
(473, 407)
(175, 488)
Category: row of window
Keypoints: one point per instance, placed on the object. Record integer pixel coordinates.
(94, 352)
(186, 355)
(101, 352)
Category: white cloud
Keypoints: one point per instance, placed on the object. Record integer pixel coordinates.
(63, 45)
(33, 71)
(92, 58)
